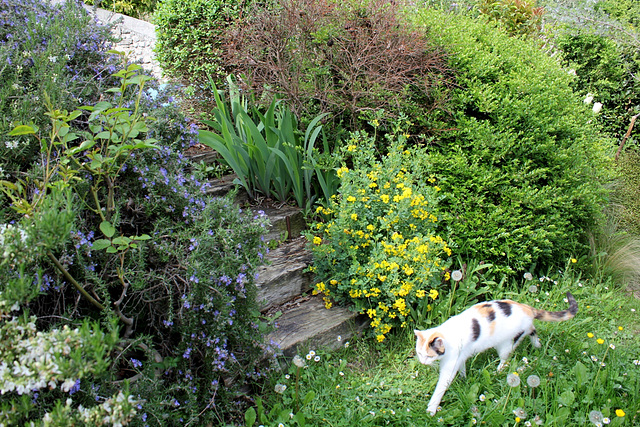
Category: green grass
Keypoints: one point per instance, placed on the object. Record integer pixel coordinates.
(371, 384)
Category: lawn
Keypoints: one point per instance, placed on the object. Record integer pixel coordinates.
(586, 371)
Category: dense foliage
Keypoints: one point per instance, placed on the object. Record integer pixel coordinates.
(378, 247)
(268, 152)
(191, 37)
(600, 41)
(134, 286)
(523, 171)
(346, 58)
(54, 50)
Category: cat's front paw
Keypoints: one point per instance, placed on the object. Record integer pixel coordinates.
(432, 410)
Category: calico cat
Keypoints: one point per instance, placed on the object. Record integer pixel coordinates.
(498, 324)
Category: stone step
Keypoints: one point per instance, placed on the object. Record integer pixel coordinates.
(287, 222)
(307, 323)
(284, 276)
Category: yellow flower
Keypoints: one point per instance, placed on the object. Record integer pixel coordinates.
(380, 338)
(351, 199)
(620, 413)
(590, 335)
(317, 240)
(327, 303)
(600, 341)
(342, 171)
(351, 148)
(620, 328)
(371, 313)
(354, 217)
(385, 198)
(420, 293)
(573, 260)
(433, 294)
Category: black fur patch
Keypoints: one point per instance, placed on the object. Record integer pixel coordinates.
(475, 325)
(517, 337)
(505, 307)
(491, 315)
(533, 333)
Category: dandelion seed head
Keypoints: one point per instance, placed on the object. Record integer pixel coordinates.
(533, 381)
(513, 379)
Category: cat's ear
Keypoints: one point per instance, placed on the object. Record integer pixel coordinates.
(437, 344)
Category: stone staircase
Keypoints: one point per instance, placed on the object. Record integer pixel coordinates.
(284, 287)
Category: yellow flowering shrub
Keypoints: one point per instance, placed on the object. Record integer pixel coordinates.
(376, 247)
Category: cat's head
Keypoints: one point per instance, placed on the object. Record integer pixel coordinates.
(429, 346)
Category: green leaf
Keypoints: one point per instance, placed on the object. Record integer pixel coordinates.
(23, 130)
(112, 250)
(581, 373)
(107, 229)
(250, 417)
(121, 240)
(308, 397)
(105, 134)
(300, 419)
(567, 398)
(100, 244)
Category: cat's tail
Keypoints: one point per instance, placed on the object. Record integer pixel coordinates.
(558, 316)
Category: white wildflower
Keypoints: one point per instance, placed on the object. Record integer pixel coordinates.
(597, 106)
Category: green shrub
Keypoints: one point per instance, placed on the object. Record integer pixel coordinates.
(605, 72)
(626, 191)
(523, 171)
(346, 58)
(519, 17)
(135, 8)
(378, 248)
(191, 37)
(600, 40)
(57, 50)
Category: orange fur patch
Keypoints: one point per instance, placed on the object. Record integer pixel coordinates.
(529, 311)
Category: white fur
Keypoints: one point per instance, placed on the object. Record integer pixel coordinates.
(457, 339)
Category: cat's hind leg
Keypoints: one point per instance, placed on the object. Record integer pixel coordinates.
(504, 351)
(533, 336)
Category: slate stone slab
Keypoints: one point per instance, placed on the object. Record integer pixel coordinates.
(310, 325)
(284, 277)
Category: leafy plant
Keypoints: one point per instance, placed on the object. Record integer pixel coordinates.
(520, 17)
(267, 153)
(523, 172)
(54, 49)
(345, 58)
(136, 8)
(378, 249)
(191, 37)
